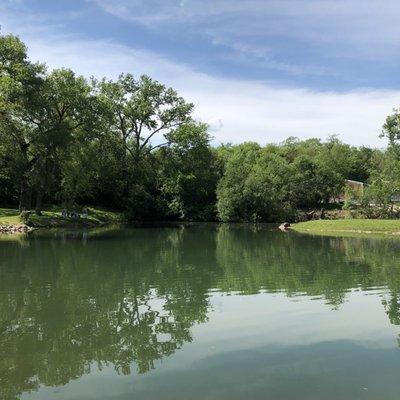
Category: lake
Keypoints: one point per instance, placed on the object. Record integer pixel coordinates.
(199, 312)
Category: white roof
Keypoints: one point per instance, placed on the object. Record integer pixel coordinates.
(357, 182)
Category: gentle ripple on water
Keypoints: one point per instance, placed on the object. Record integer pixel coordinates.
(201, 312)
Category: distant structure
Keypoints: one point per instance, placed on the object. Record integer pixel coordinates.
(395, 198)
(355, 186)
(358, 189)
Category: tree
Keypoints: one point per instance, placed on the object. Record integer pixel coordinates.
(133, 144)
(391, 127)
(20, 82)
(40, 113)
(383, 188)
(139, 110)
(188, 174)
(64, 108)
(232, 205)
(140, 116)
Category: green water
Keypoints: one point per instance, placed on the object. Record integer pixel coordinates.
(202, 312)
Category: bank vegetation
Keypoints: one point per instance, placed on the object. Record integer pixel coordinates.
(133, 145)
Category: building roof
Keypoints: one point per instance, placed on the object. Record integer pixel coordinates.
(355, 182)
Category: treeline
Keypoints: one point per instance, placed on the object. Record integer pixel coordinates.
(133, 145)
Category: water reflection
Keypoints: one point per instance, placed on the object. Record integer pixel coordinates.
(127, 298)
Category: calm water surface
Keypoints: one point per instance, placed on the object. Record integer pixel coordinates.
(202, 312)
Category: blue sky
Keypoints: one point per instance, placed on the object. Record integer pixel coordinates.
(256, 69)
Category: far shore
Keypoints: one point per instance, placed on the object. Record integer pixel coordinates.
(11, 222)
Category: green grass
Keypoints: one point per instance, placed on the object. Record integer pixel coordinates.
(363, 226)
(53, 218)
(9, 216)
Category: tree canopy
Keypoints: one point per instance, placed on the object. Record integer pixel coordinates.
(133, 144)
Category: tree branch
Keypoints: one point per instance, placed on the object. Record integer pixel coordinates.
(164, 126)
(159, 145)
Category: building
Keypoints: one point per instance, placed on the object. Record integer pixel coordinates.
(355, 186)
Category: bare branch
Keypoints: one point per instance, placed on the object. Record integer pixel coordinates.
(158, 130)
(159, 145)
(33, 121)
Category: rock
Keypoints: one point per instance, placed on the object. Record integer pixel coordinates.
(284, 227)
(9, 229)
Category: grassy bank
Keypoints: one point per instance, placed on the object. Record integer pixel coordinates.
(53, 218)
(363, 226)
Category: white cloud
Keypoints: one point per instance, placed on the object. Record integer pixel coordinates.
(238, 110)
(356, 28)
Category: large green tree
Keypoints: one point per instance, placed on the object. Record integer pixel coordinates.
(65, 112)
(188, 174)
(142, 112)
(20, 82)
(40, 114)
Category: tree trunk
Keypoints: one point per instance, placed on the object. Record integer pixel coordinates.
(25, 196)
(39, 198)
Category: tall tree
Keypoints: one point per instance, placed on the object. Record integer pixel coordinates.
(40, 113)
(188, 173)
(391, 127)
(141, 114)
(141, 110)
(63, 108)
(20, 81)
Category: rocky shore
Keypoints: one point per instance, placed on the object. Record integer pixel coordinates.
(20, 228)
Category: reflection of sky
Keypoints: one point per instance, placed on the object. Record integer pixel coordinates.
(266, 343)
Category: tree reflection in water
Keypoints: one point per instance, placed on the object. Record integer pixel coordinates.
(130, 297)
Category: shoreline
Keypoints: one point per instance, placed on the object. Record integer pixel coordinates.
(12, 223)
(366, 227)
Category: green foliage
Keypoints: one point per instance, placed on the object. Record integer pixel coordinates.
(132, 144)
(271, 183)
(188, 174)
(381, 194)
(139, 110)
(233, 202)
(391, 127)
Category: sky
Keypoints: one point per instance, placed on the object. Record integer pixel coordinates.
(256, 70)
